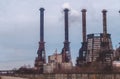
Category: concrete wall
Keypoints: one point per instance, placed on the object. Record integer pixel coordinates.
(76, 76)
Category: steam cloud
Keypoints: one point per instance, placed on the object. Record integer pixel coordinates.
(74, 15)
(66, 5)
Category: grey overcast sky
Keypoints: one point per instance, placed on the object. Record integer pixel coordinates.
(19, 27)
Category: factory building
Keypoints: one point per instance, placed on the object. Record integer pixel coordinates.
(94, 42)
(95, 47)
(55, 64)
(55, 58)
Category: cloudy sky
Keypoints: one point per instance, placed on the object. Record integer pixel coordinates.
(19, 27)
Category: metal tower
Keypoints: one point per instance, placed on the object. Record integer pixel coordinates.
(40, 59)
(66, 57)
(83, 50)
(106, 53)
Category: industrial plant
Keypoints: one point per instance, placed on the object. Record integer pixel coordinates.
(96, 53)
(96, 57)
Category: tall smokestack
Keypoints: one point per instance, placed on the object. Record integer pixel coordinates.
(104, 22)
(42, 24)
(84, 24)
(66, 57)
(106, 52)
(81, 59)
(41, 59)
(41, 50)
(66, 24)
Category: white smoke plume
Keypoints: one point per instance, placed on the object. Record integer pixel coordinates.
(66, 5)
(74, 15)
